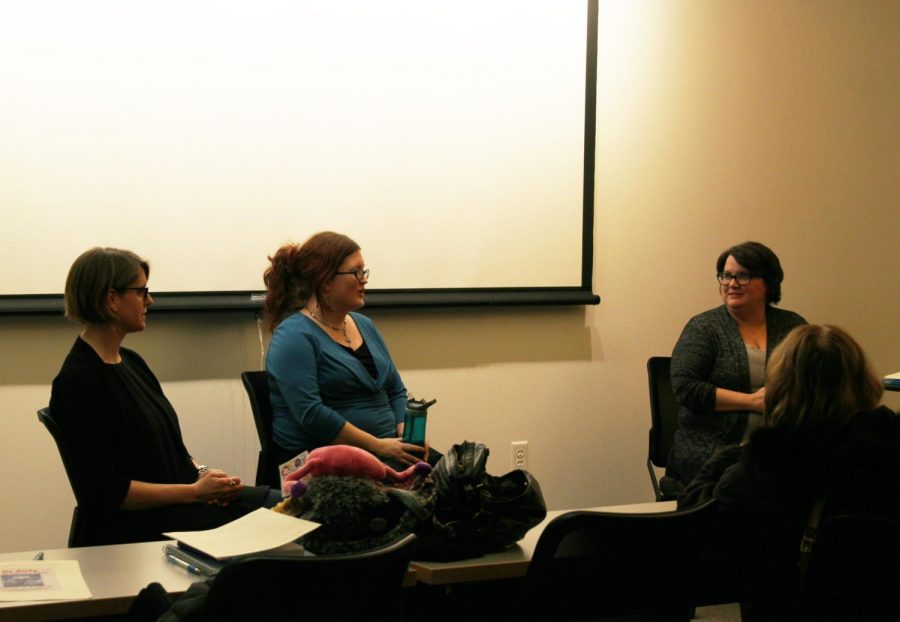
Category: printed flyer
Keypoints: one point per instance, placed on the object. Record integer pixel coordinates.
(42, 580)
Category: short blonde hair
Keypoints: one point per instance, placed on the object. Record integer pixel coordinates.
(818, 378)
(92, 275)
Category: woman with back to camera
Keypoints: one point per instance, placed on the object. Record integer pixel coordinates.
(134, 479)
(824, 436)
(719, 362)
(331, 377)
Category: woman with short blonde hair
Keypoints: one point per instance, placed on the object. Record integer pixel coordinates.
(131, 473)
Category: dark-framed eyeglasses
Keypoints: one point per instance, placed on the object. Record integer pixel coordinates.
(361, 274)
(140, 291)
(741, 277)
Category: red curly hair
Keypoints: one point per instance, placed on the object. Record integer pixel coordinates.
(296, 272)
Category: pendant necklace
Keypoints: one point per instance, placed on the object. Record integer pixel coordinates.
(338, 329)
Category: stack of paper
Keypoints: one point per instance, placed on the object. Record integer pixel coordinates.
(258, 531)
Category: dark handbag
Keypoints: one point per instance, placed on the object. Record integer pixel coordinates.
(477, 513)
(458, 474)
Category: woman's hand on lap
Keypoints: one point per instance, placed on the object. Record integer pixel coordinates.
(216, 487)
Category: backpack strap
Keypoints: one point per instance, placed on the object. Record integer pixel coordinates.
(810, 534)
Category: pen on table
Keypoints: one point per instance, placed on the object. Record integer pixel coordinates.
(180, 562)
(39, 555)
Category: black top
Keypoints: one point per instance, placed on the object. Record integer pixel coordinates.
(120, 427)
(780, 471)
(157, 422)
(766, 488)
(364, 356)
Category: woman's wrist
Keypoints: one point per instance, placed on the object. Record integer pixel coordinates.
(193, 493)
(374, 446)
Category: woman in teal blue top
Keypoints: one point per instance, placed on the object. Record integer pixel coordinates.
(331, 377)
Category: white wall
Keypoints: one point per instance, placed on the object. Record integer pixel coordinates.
(718, 122)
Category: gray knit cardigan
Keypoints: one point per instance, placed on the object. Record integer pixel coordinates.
(709, 354)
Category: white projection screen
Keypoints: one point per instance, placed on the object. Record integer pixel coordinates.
(453, 140)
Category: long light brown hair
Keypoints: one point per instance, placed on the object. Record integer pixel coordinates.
(818, 378)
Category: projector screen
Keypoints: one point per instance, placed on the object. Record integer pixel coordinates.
(454, 141)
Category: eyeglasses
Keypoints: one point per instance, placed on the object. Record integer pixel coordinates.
(361, 274)
(741, 277)
(140, 291)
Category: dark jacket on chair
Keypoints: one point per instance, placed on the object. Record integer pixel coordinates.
(766, 489)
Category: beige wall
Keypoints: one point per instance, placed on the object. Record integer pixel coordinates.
(719, 121)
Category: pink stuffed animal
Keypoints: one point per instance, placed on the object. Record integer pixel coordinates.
(349, 461)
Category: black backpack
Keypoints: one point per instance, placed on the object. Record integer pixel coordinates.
(476, 513)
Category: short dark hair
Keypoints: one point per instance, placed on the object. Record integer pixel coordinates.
(92, 275)
(759, 260)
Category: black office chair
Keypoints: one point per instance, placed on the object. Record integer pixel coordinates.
(853, 572)
(663, 424)
(361, 586)
(78, 534)
(256, 384)
(589, 565)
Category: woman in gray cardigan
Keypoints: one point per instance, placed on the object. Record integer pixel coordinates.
(719, 362)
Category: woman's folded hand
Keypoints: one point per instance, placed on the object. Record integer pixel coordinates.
(216, 487)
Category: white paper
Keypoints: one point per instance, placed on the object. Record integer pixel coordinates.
(258, 531)
(42, 580)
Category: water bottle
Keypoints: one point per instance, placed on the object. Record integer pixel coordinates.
(414, 422)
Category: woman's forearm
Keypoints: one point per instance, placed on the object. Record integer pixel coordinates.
(212, 487)
(144, 495)
(727, 400)
(385, 448)
(352, 435)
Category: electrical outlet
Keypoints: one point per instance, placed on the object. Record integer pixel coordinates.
(520, 454)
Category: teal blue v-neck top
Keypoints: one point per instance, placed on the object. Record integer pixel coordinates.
(316, 385)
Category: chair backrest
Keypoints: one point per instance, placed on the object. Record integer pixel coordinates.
(588, 564)
(663, 409)
(52, 426)
(364, 586)
(854, 570)
(256, 383)
(78, 530)
(663, 424)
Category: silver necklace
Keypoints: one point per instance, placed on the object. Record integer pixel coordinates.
(338, 329)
